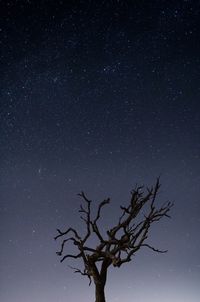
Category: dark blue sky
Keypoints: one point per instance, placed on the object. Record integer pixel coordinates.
(98, 96)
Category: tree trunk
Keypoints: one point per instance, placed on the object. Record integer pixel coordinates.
(99, 292)
(100, 280)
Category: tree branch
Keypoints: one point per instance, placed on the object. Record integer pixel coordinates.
(153, 248)
(66, 232)
(83, 273)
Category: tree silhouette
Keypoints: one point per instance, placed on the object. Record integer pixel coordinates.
(121, 242)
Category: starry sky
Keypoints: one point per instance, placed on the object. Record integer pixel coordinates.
(98, 96)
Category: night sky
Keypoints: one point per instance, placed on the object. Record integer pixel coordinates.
(98, 96)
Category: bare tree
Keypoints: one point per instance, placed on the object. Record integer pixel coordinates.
(121, 242)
